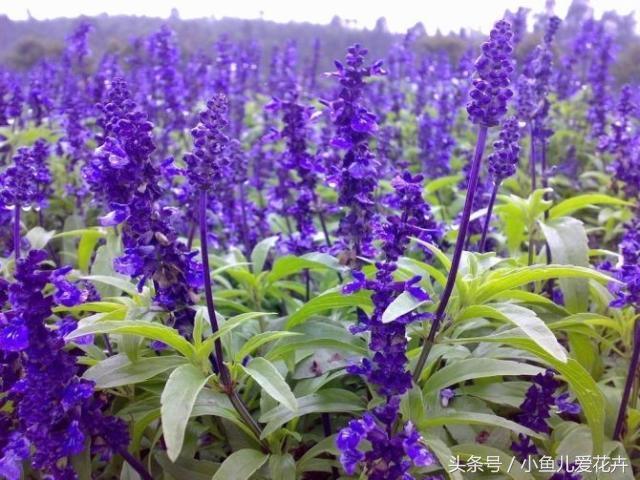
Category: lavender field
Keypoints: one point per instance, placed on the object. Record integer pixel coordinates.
(233, 256)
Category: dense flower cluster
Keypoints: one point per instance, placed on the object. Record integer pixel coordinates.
(296, 158)
(54, 412)
(209, 163)
(26, 183)
(387, 370)
(122, 174)
(385, 459)
(599, 102)
(504, 159)
(434, 137)
(536, 410)
(354, 126)
(491, 86)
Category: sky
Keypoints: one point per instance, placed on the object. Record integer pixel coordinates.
(447, 15)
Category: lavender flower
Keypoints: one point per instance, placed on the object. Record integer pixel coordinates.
(122, 175)
(208, 163)
(491, 86)
(504, 159)
(354, 127)
(296, 118)
(502, 164)
(488, 104)
(54, 411)
(27, 181)
(536, 410)
(387, 370)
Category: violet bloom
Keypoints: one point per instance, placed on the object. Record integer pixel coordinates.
(533, 105)
(296, 158)
(502, 164)
(624, 143)
(627, 294)
(435, 139)
(209, 159)
(491, 86)
(487, 106)
(518, 22)
(536, 408)
(78, 42)
(167, 85)
(54, 411)
(599, 100)
(355, 126)
(26, 183)
(122, 175)
(387, 370)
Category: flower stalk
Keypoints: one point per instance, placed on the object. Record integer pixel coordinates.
(632, 374)
(457, 253)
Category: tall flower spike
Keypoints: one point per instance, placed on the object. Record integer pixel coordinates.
(491, 90)
(502, 164)
(207, 163)
(387, 370)
(54, 411)
(26, 184)
(488, 104)
(354, 127)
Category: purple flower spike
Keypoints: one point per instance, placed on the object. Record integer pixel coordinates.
(491, 86)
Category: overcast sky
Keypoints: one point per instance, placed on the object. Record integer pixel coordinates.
(400, 14)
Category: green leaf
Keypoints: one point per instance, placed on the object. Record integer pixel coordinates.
(154, 331)
(176, 403)
(453, 417)
(282, 467)
(331, 400)
(505, 462)
(570, 205)
(401, 305)
(326, 445)
(462, 370)
(120, 283)
(186, 468)
(290, 265)
(211, 403)
(569, 245)
(234, 322)
(39, 237)
(258, 340)
(328, 301)
(583, 386)
(241, 465)
(118, 370)
(439, 183)
(530, 324)
(412, 405)
(268, 377)
(86, 246)
(261, 251)
(503, 279)
(442, 452)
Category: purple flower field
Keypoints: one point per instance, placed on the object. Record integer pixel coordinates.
(230, 262)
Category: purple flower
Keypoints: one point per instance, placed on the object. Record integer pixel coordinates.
(209, 162)
(535, 410)
(491, 86)
(27, 181)
(358, 173)
(53, 410)
(504, 159)
(386, 459)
